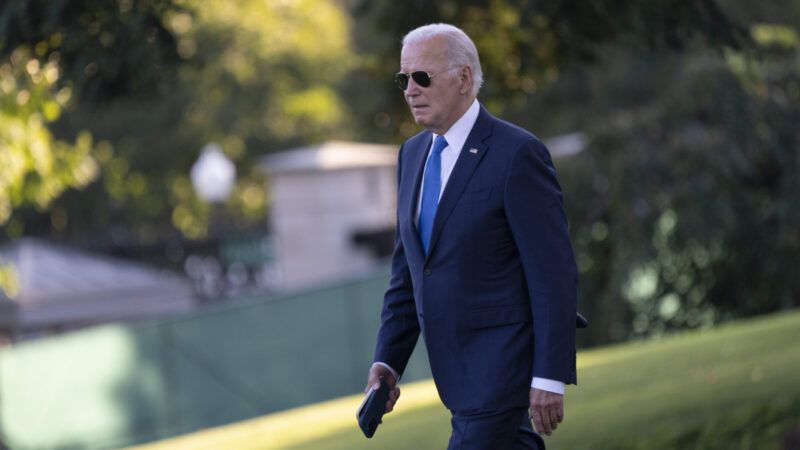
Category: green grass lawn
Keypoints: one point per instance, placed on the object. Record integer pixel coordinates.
(734, 387)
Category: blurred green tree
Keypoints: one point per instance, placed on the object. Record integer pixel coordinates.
(103, 49)
(35, 168)
(84, 52)
(159, 79)
(685, 210)
(526, 45)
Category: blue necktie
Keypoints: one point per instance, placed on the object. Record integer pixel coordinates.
(431, 185)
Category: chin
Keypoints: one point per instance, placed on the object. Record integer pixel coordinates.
(422, 119)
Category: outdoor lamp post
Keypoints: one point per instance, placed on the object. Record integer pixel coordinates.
(213, 174)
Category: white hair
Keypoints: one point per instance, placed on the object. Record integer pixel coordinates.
(459, 49)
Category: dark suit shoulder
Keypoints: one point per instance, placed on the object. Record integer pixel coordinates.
(511, 138)
(513, 132)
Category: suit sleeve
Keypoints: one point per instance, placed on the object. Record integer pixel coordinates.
(399, 329)
(533, 203)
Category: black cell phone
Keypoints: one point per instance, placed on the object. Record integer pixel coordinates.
(370, 412)
(581, 322)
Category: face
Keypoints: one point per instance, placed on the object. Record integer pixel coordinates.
(439, 105)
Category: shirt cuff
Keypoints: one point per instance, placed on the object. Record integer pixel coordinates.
(394, 372)
(546, 384)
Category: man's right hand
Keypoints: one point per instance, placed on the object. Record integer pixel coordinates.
(373, 380)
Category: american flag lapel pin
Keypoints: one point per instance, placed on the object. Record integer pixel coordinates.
(474, 151)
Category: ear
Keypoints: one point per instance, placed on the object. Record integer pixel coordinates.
(465, 78)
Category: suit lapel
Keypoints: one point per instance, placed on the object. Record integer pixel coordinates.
(471, 155)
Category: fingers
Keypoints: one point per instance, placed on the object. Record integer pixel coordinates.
(542, 422)
(553, 418)
(394, 394)
(373, 379)
(541, 425)
(546, 410)
(373, 382)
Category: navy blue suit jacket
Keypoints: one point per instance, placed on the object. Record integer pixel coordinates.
(495, 298)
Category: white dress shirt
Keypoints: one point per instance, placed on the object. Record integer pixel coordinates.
(456, 136)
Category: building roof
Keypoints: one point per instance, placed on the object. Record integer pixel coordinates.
(566, 144)
(59, 286)
(333, 155)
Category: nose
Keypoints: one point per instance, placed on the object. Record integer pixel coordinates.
(412, 89)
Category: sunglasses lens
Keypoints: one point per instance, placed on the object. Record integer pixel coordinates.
(402, 80)
(421, 78)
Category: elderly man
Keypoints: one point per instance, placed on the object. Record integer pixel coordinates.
(482, 263)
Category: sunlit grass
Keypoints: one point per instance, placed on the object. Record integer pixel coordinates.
(297, 426)
(693, 384)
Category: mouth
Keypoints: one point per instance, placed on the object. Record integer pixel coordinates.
(418, 107)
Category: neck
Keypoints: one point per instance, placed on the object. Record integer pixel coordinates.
(458, 112)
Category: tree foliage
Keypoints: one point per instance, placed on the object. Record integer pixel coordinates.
(685, 211)
(104, 49)
(35, 168)
(159, 79)
(525, 45)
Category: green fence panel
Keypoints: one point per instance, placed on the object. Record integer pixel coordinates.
(84, 389)
(118, 385)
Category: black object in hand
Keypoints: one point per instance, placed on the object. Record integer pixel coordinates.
(372, 409)
(581, 322)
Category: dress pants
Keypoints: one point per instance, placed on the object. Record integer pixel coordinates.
(504, 430)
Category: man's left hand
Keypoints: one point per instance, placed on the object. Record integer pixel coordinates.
(546, 410)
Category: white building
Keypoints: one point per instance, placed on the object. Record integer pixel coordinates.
(332, 210)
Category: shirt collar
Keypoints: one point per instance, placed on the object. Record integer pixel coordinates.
(457, 135)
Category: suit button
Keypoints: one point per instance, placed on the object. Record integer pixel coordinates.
(428, 272)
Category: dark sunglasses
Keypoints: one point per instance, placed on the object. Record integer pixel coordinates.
(420, 77)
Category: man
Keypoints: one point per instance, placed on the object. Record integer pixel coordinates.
(482, 263)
